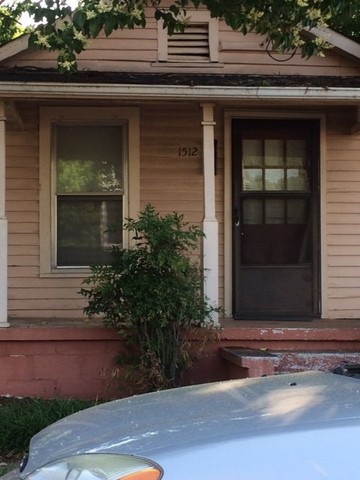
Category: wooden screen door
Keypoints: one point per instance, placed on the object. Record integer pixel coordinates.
(275, 218)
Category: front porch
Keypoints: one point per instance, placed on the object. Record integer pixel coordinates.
(70, 358)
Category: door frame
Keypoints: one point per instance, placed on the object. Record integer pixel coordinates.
(229, 115)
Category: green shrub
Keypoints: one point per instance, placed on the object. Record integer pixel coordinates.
(152, 294)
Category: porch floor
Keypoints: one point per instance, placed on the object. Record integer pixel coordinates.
(321, 334)
(291, 324)
(227, 323)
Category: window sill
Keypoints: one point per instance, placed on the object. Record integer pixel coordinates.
(190, 64)
(68, 273)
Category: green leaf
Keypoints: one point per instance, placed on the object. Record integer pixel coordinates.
(79, 18)
(95, 27)
(174, 9)
(110, 25)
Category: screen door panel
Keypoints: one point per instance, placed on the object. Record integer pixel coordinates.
(275, 219)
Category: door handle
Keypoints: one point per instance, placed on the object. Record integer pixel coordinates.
(236, 218)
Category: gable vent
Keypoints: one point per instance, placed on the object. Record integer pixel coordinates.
(192, 45)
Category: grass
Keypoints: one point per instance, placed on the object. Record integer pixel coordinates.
(21, 418)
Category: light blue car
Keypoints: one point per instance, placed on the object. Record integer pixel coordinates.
(303, 426)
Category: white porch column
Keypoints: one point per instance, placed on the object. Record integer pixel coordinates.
(3, 224)
(210, 223)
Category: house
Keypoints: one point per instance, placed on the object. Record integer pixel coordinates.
(260, 149)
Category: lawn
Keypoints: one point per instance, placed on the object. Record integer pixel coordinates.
(21, 418)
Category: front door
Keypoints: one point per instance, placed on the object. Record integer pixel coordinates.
(275, 218)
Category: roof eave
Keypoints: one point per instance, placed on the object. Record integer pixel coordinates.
(342, 44)
(43, 90)
(14, 47)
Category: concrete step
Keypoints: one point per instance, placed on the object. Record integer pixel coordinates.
(247, 362)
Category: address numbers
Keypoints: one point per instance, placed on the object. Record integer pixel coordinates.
(188, 152)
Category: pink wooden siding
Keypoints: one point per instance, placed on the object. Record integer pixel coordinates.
(247, 55)
(172, 183)
(137, 51)
(167, 181)
(29, 295)
(343, 217)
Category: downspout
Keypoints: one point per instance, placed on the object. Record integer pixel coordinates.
(3, 224)
(210, 223)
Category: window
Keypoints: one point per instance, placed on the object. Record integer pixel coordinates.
(89, 166)
(197, 44)
(275, 208)
(89, 191)
(275, 165)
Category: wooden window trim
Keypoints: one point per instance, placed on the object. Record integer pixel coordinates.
(129, 117)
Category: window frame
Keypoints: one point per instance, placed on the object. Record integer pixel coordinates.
(198, 16)
(128, 119)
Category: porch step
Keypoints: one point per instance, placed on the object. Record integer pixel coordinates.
(248, 362)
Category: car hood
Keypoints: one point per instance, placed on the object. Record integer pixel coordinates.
(148, 425)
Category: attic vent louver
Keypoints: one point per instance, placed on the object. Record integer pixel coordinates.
(192, 45)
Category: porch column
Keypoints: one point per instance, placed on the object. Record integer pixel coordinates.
(3, 224)
(210, 223)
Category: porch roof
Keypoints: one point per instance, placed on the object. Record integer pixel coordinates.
(49, 84)
(39, 75)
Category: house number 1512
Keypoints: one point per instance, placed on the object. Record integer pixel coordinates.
(188, 152)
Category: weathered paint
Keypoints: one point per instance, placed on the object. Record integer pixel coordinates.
(38, 359)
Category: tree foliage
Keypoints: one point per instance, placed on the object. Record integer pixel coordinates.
(59, 28)
(10, 26)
